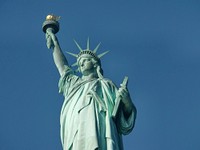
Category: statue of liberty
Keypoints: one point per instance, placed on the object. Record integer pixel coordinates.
(86, 119)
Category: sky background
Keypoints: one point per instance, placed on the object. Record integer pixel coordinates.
(156, 43)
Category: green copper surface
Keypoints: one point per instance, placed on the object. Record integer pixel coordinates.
(95, 112)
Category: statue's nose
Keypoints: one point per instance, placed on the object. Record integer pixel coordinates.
(82, 64)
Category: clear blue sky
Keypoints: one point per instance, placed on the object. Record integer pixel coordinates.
(156, 43)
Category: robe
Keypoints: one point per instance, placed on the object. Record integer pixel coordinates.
(86, 121)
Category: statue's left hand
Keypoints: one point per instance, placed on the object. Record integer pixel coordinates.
(124, 93)
(126, 100)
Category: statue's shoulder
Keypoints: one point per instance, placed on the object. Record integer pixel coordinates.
(69, 76)
(109, 85)
(108, 81)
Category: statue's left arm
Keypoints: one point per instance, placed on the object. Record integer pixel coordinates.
(128, 106)
(126, 119)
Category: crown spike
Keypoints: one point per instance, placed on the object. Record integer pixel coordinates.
(95, 50)
(88, 43)
(78, 46)
(75, 64)
(100, 55)
(75, 55)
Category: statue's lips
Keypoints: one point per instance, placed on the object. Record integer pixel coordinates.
(84, 68)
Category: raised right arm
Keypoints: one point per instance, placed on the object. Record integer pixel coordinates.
(58, 56)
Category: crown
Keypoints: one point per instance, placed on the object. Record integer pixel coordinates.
(87, 51)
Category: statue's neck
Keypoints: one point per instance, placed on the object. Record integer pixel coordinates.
(90, 76)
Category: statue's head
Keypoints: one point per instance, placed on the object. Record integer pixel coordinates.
(89, 58)
(88, 63)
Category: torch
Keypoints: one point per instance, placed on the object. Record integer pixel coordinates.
(51, 24)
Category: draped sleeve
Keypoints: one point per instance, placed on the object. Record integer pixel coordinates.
(67, 79)
(126, 124)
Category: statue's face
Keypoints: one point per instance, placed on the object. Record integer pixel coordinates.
(86, 65)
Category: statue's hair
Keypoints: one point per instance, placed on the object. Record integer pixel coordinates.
(97, 63)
